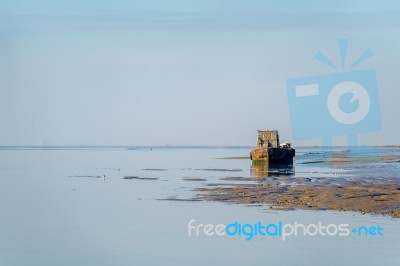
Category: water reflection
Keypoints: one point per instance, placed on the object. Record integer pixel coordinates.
(266, 169)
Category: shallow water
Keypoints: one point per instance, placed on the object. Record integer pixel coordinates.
(57, 209)
(368, 164)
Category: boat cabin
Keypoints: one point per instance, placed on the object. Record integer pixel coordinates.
(267, 139)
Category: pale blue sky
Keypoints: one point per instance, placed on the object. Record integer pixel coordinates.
(179, 72)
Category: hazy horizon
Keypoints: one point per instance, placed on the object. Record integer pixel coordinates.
(149, 73)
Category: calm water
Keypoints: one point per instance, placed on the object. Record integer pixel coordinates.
(57, 210)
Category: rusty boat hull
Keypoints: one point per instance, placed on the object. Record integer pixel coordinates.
(273, 155)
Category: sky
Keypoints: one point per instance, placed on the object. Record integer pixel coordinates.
(182, 72)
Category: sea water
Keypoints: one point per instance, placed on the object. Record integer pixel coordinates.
(72, 206)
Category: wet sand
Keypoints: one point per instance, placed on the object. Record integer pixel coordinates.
(279, 188)
(140, 178)
(365, 198)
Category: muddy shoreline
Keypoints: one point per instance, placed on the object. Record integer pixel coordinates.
(383, 199)
(353, 189)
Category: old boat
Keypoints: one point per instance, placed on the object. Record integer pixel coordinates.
(269, 149)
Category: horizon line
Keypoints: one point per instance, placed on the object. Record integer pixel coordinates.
(174, 146)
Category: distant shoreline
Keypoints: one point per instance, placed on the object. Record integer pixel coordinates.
(16, 147)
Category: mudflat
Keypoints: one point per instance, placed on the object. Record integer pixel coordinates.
(365, 198)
